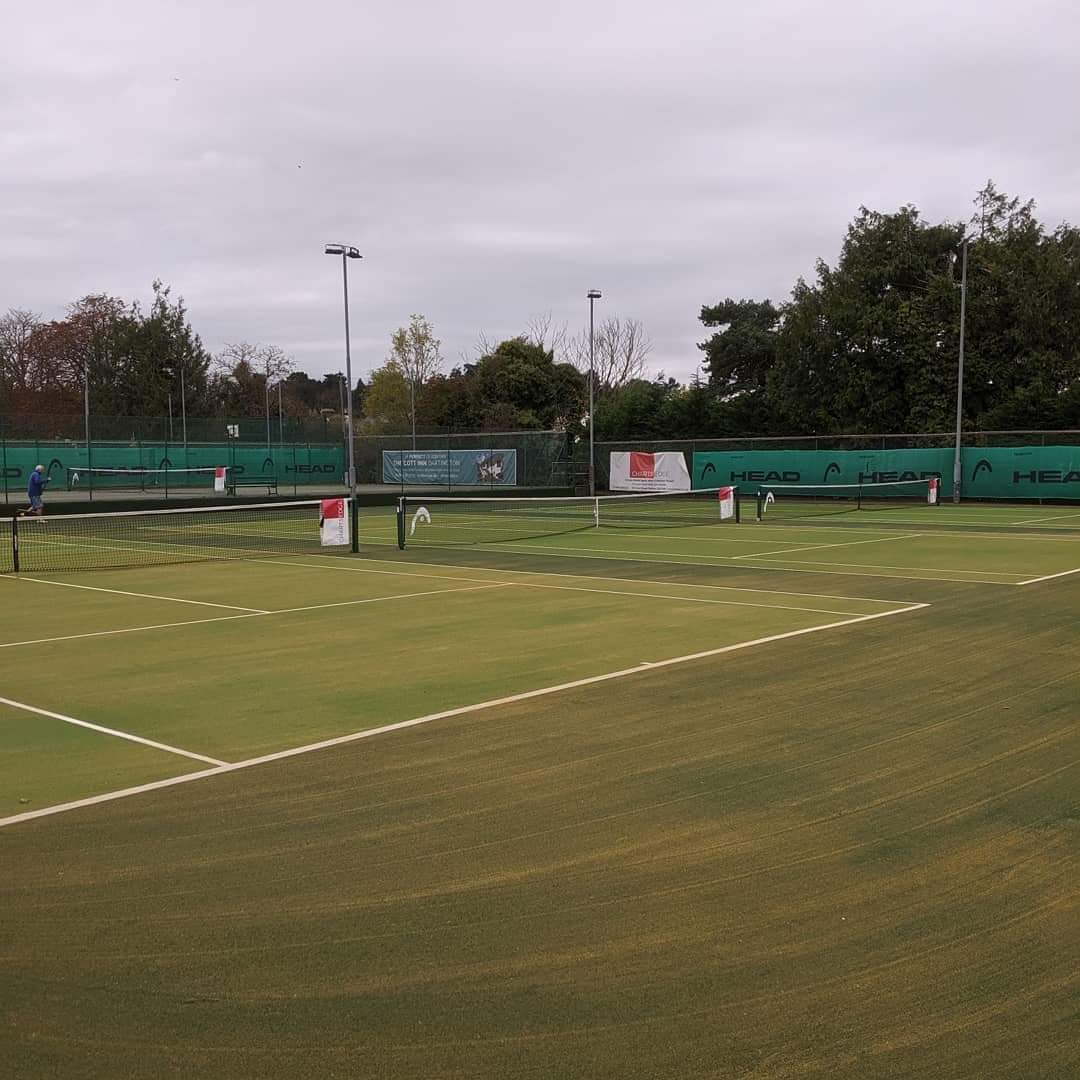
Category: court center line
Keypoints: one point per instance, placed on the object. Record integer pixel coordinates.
(112, 731)
(818, 547)
(145, 596)
(643, 669)
(1049, 577)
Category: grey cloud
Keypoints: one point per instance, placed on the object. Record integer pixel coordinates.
(494, 161)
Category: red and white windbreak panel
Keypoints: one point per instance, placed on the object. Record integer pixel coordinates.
(726, 495)
(638, 470)
(333, 523)
(219, 478)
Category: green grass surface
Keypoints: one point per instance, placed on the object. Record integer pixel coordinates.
(849, 853)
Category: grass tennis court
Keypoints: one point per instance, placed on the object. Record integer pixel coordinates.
(787, 799)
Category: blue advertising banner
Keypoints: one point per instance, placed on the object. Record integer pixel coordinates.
(445, 468)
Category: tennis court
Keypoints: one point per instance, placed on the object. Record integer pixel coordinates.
(609, 790)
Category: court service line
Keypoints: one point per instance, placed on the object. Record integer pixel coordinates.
(663, 557)
(145, 596)
(341, 740)
(1049, 577)
(129, 630)
(111, 731)
(684, 599)
(597, 577)
(1073, 517)
(251, 615)
(818, 547)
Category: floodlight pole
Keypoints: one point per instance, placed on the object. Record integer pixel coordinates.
(86, 427)
(347, 252)
(593, 295)
(957, 467)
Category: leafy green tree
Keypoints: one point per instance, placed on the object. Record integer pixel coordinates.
(386, 402)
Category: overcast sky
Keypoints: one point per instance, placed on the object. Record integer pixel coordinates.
(494, 160)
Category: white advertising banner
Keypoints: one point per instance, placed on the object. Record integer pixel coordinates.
(632, 470)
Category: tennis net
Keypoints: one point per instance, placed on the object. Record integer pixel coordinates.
(461, 521)
(156, 537)
(780, 501)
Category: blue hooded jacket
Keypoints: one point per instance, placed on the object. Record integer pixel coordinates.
(36, 485)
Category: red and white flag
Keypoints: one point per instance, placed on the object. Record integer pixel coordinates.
(333, 523)
(219, 478)
(726, 495)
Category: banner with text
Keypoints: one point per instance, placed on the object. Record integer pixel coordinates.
(631, 470)
(1015, 472)
(450, 468)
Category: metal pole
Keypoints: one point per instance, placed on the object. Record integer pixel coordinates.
(280, 420)
(266, 400)
(170, 417)
(349, 383)
(183, 411)
(957, 468)
(412, 409)
(86, 428)
(593, 294)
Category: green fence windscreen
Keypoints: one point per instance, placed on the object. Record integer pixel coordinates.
(1016, 472)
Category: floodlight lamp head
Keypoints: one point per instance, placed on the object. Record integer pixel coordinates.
(593, 294)
(334, 249)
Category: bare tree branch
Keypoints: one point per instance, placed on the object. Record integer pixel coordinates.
(541, 330)
(621, 351)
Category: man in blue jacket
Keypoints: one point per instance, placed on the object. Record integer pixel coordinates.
(35, 489)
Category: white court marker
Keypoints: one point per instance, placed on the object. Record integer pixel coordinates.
(639, 669)
(110, 731)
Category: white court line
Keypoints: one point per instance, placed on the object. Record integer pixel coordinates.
(1053, 517)
(583, 577)
(685, 599)
(252, 615)
(645, 667)
(818, 547)
(617, 555)
(400, 596)
(1049, 577)
(126, 630)
(887, 566)
(145, 596)
(110, 731)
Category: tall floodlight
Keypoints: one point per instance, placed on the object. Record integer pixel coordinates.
(347, 252)
(957, 468)
(593, 295)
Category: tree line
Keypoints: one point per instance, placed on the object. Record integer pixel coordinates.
(869, 344)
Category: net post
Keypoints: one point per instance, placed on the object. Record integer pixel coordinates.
(760, 505)
(401, 523)
(738, 506)
(354, 531)
(15, 544)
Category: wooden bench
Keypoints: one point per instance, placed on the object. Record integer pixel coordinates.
(248, 481)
